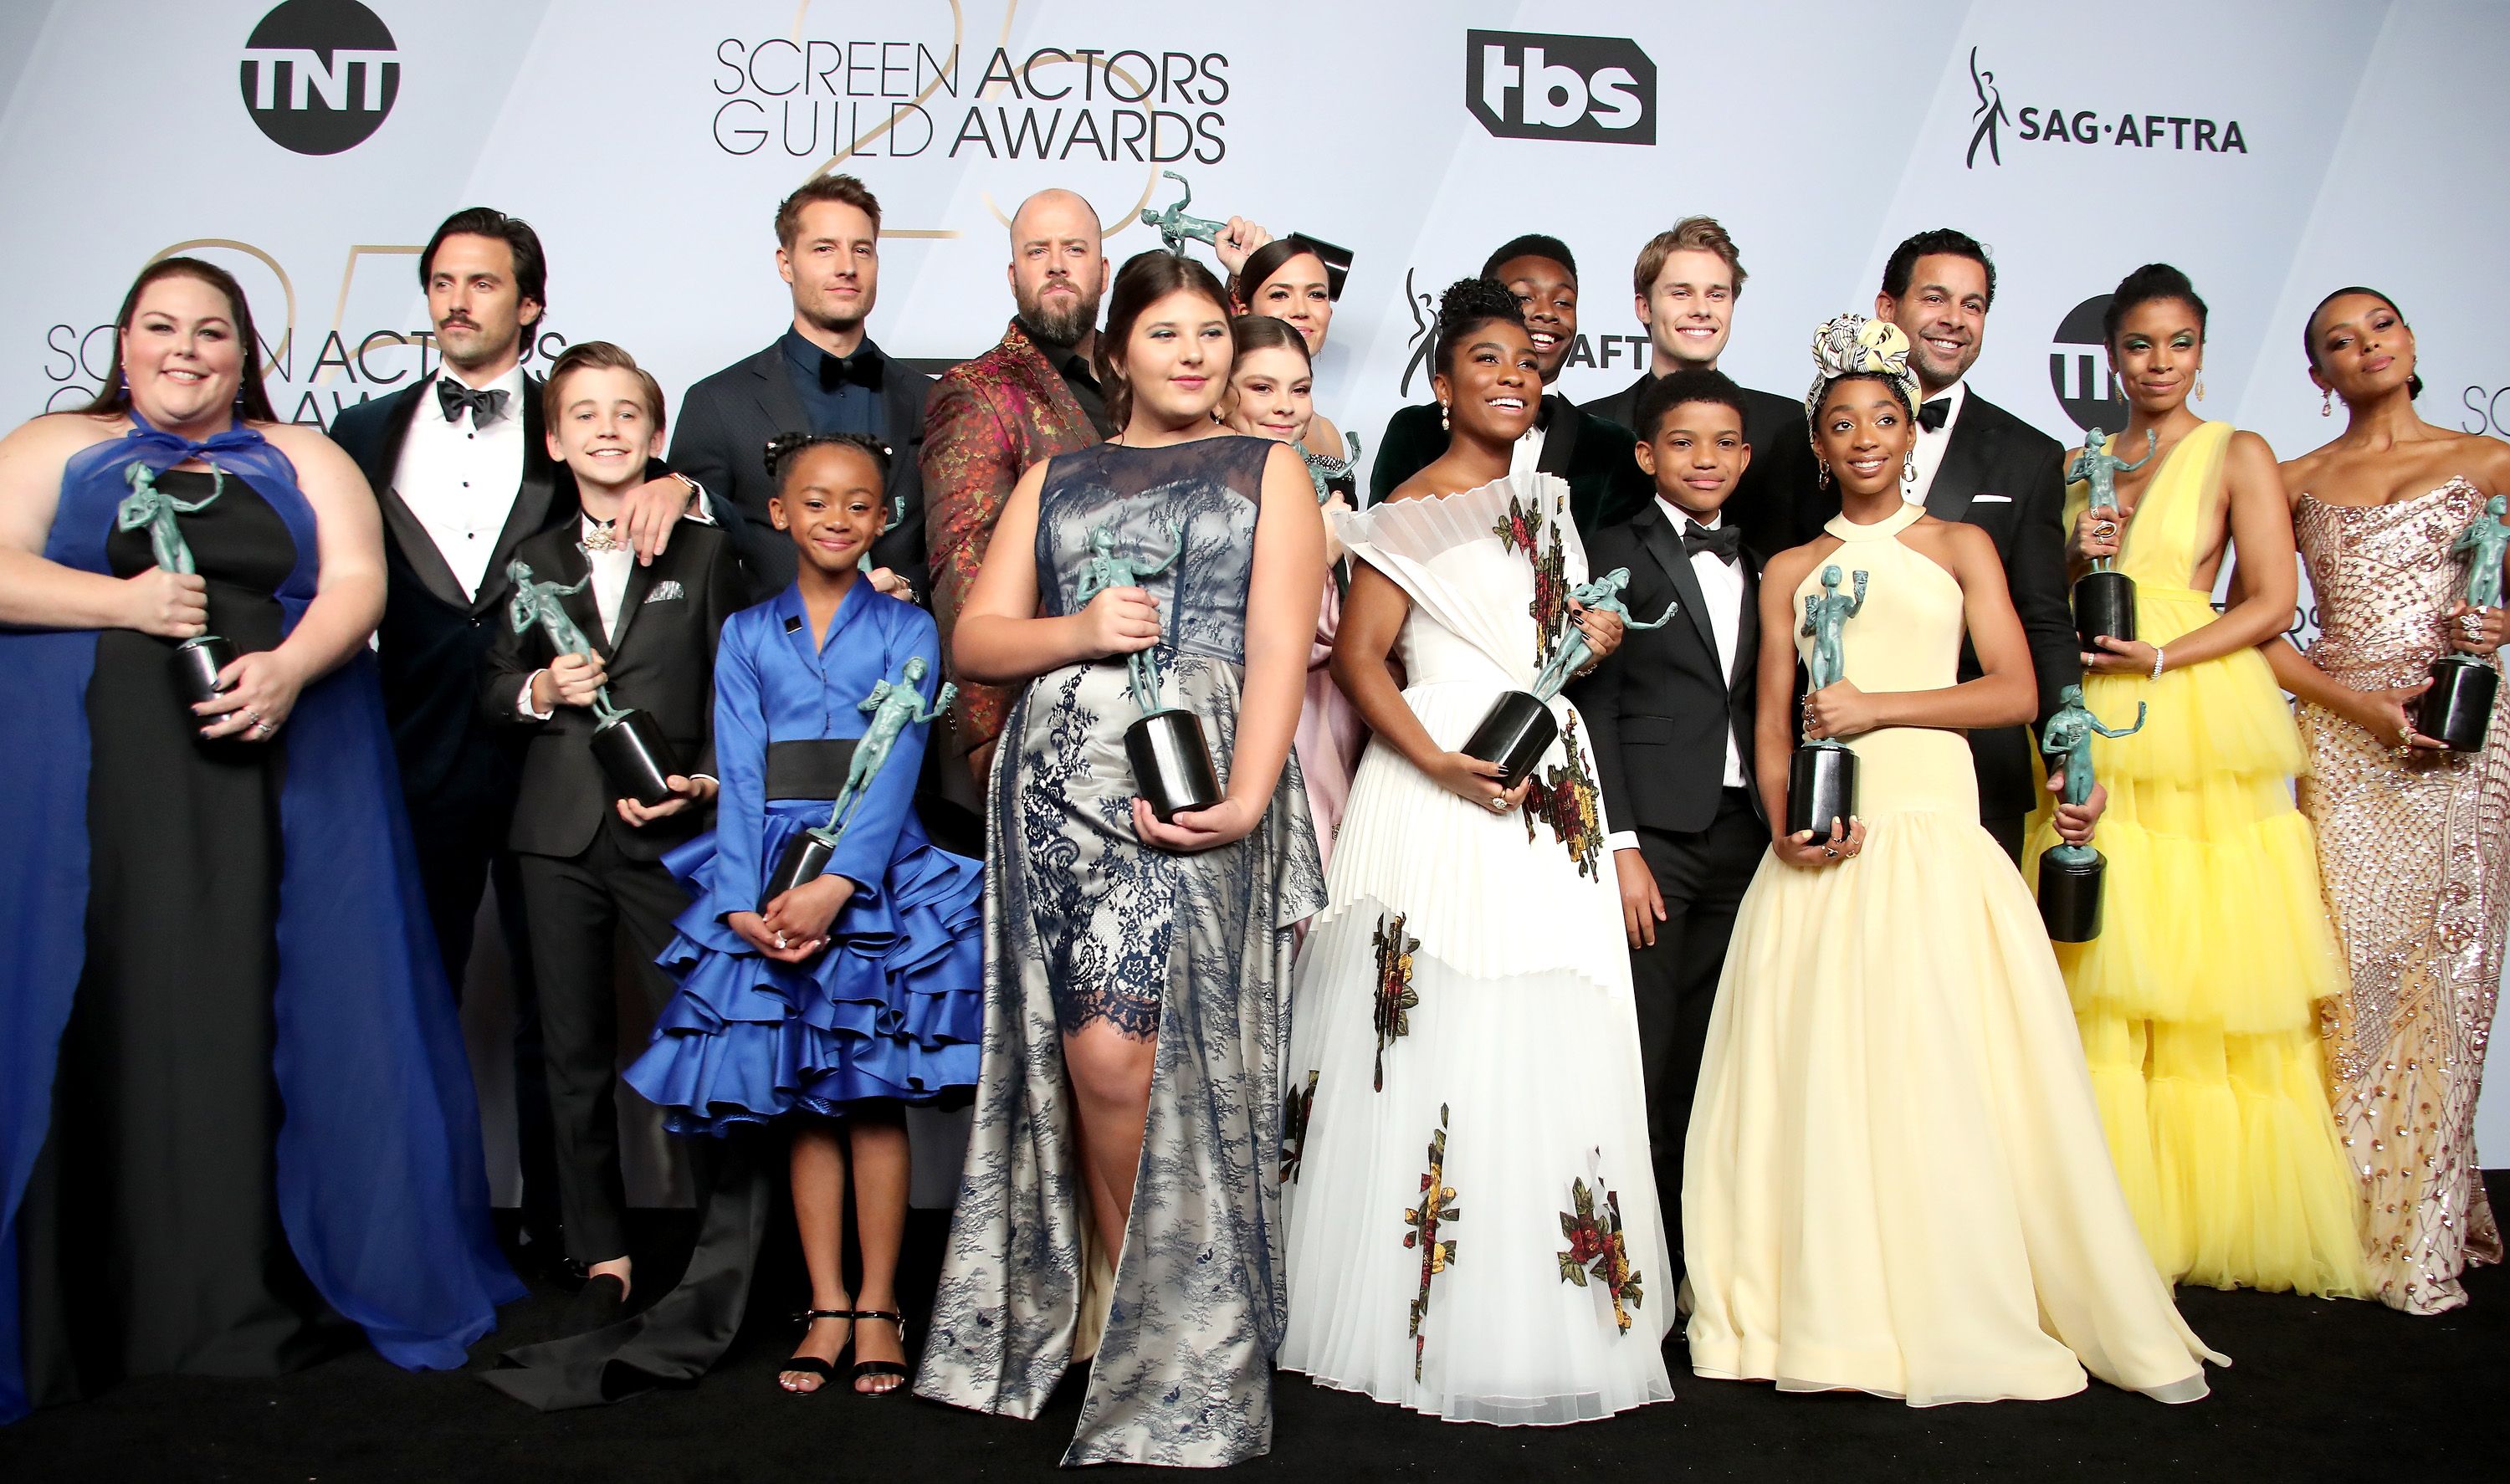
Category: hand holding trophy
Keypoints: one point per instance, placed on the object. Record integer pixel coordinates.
(2458, 710)
(1821, 778)
(1170, 756)
(2105, 596)
(2070, 875)
(1519, 727)
(894, 705)
(629, 744)
(198, 661)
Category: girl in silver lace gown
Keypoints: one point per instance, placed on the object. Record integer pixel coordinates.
(1106, 929)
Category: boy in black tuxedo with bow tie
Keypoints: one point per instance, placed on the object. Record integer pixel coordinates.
(589, 858)
(1671, 715)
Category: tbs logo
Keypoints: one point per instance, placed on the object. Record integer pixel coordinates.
(319, 76)
(1523, 84)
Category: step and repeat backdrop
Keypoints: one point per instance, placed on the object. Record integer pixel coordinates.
(2274, 149)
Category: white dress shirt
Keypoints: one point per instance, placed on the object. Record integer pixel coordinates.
(610, 571)
(1721, 592)
(1928, 455)
(460, 480)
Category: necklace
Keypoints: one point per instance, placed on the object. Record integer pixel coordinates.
(601, 535)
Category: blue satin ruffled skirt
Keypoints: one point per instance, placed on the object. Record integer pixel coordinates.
(893, 1009)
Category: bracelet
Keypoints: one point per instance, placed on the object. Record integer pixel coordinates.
(2159, 655)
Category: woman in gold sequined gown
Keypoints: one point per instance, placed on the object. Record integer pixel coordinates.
(2414, 841)
(2199, 1003)
(1896, 1179)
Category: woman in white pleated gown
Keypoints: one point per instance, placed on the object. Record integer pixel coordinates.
(1473, 1221)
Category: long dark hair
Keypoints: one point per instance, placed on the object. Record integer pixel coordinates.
(1145, 279)
(2309, 330)
(252, 399)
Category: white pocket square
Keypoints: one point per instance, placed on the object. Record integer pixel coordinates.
(1998, 499)
(669, 588)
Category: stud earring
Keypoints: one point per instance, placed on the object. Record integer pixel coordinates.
(2327, 401)
(2200, 386)
(1442, 417)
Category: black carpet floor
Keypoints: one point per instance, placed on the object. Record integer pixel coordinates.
(2318, 1390)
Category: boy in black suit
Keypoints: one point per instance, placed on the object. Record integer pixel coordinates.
(1671, 715)
(591, 859)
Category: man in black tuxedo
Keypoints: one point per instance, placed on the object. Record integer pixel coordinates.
(823, 374)
(1591, 454)
(1686, 283)
(1670, 713)
(457, 462)
(1976, 462)
(589, 857)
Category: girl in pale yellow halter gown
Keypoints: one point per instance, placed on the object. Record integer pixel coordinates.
(2199, 999)
(1896, 1179)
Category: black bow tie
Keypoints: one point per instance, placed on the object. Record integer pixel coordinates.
(1726, 543)
(1932, 415)
(862, 369)
(486, 406)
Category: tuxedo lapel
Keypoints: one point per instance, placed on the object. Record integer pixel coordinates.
(1747, 626)
(533, 499)
(1657, 534)
(631, 598)
(1559, 436)
(1056, 411)
(580, 605)
(396, 429)
(778, 401)
(408, 532)
(1967, 456)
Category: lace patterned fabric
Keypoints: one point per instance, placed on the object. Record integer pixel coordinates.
(2416, 867)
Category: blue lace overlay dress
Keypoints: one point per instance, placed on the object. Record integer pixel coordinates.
(891, 1007)
(1082, 923)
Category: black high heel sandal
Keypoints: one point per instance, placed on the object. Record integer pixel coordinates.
(812, 1365)
(869, 1368)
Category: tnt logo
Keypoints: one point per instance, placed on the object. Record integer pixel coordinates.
(1521, 84)
(319, 76)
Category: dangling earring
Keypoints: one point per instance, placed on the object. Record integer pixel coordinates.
(2200, 386)
(1823, 479)
(1909, 468)
(1442, 418)
(2327, 401)
(1216, 417)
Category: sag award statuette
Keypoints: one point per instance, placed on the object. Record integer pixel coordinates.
(894, 705)
(2458, 710)
(197, 662)
(1821, 779)
(1176, 228)
(1520, 727)
(2070, 875)
(629, 744)
(2105, 596)
(1323, 467)
(1170, 757)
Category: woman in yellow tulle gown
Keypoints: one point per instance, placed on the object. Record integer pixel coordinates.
(2199, 1001)
(1895, 1180)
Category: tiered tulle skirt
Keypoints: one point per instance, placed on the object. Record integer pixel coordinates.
(1473, 1224)
(893, 1009)
(2197, 1004)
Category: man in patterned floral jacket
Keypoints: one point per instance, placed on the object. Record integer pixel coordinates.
(1030, 397)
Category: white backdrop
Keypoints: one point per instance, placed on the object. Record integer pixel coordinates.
(2274, 149)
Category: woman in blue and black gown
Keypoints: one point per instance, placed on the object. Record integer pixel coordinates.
(234, 1107)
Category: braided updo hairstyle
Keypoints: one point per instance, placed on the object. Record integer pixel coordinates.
(781, 448)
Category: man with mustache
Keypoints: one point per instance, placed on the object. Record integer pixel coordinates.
(461, 465)
(1976, 462)
(1595, 457)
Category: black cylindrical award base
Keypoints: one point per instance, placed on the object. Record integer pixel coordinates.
(805, 857)
(1821, 786)
(1171, 763)
(2458, 707)
(2069, 897)
(2103, 607)
(197, 662)
(1515, 735)
(633, 752)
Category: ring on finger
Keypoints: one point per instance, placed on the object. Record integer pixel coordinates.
(1830, 852)
(1498, 806)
